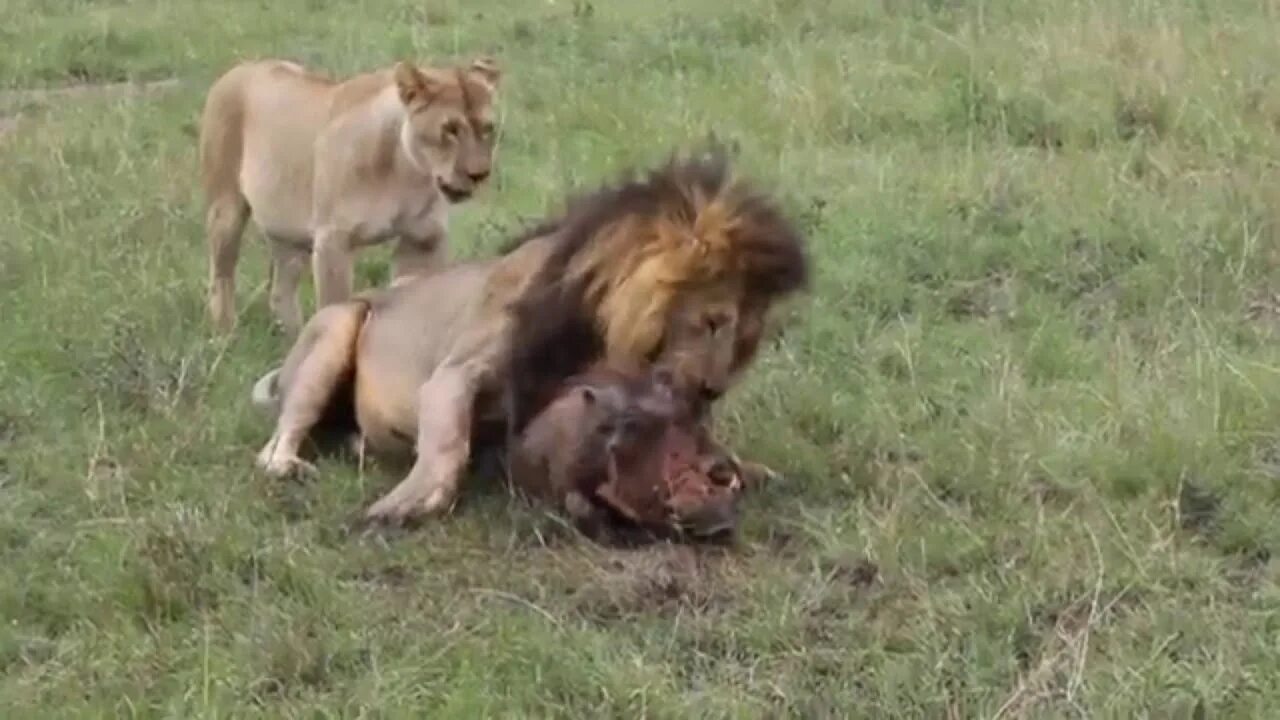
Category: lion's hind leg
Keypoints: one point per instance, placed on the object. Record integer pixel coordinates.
(321, 360)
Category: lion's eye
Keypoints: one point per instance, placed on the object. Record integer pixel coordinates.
(452, 129)
(486, 130)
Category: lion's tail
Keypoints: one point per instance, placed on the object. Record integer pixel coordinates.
(266, 392)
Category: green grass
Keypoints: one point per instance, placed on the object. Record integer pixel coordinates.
(1027, 415)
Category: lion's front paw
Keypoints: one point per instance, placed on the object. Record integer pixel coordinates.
(282, 465)
(410, 502)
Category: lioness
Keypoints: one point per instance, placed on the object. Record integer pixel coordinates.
(678, 269)
(332, 166)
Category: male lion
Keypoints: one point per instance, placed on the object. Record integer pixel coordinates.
(678, 268)
(335, 166)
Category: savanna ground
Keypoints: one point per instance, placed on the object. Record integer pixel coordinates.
(1027, 415)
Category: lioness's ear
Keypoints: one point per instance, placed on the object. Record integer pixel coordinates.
(408, 82)
(414, 85)
(487, 68)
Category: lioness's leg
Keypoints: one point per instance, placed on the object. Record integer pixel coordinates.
(224, 226)
(443, 446)
(416, 256)
(333, 264)
(324, 351)
(287, 265)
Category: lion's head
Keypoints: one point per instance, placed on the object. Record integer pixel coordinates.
(449, 125)
(679, 268)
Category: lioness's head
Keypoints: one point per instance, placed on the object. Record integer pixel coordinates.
(679, 269)
(449, 123)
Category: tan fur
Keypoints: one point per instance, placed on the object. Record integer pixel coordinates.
(684, 285)
(325, 167)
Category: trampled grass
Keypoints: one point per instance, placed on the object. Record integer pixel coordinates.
(1027, 415)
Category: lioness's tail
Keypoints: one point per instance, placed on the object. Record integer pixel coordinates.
(266, 392)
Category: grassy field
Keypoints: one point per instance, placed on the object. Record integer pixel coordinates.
(1027, 415)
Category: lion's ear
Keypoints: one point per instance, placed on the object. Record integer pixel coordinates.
(487, 68)
(413, 84)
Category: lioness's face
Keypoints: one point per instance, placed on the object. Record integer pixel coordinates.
(711, 335)
(449, 124)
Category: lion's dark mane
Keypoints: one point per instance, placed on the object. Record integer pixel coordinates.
(556, 333)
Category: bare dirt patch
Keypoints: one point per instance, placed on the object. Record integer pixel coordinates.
(657, 580)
